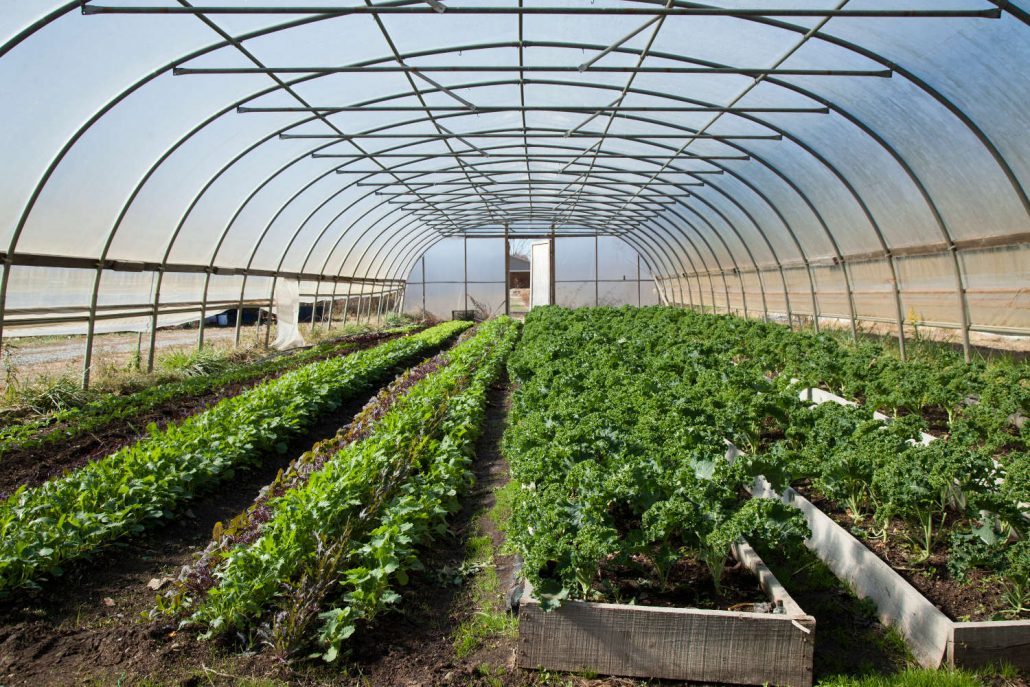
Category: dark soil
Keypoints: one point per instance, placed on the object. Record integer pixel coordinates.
(36, 465)
(89, 622)
(414, 645)
(935, 417)
(689, 585)
(849, 640)
(978, 597)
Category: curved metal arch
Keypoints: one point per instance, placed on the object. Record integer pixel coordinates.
(744, 243)
(624, 237)
(663, 248)
(399, 263)
(720, 268)
(93, 119)
(337, 242)
(313, 244)
(829, 234)
(417, 250)
(290, 25)
(774, 23)
(413, 258)
(381, 247)
(900, 160)
(1000, 159)
(628, 156)
(801, 250)
(332, 250)
(173, 240)
(615, 180)
(782, 25)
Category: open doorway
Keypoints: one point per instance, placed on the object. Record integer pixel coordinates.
(518, 282)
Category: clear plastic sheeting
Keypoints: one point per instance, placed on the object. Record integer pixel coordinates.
(840, 161)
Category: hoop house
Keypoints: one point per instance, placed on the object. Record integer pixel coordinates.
(850, 161)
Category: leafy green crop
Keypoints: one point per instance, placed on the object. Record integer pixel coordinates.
(44, 526)
(336, 545)
(618, 440)
(621, 413)
(73, 422)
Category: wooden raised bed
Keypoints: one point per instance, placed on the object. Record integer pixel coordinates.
(673, 643)
(934, 638)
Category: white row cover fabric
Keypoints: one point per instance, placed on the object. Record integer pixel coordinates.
(287, 316)
(863, 159)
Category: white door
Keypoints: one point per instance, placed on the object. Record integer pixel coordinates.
(539, 274)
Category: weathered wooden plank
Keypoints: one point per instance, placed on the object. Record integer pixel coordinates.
(933, 637)
(672, 643)
(898, 603)
(680, 644)
(976, 644)
(776, 592)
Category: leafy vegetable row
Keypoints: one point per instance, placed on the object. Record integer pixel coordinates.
(622, 412)
(332, 546)
(74, 422)
(617, 437)
(949, 495)
(963, 496)
(986, 400)
(44, 526)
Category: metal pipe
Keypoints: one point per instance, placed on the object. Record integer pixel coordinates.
(760, 12)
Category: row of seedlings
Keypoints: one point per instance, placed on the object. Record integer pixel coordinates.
(43, 527)
(325, 547)
(69, 423)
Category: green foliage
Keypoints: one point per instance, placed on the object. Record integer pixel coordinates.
(621, 414)
(489, 619)
(73, 412)
(198, 363)
(618, 440)
(335, 548)
(72, 516)
(48, 395)
(913, 677)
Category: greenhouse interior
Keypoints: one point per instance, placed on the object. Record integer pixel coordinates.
(585, 343)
